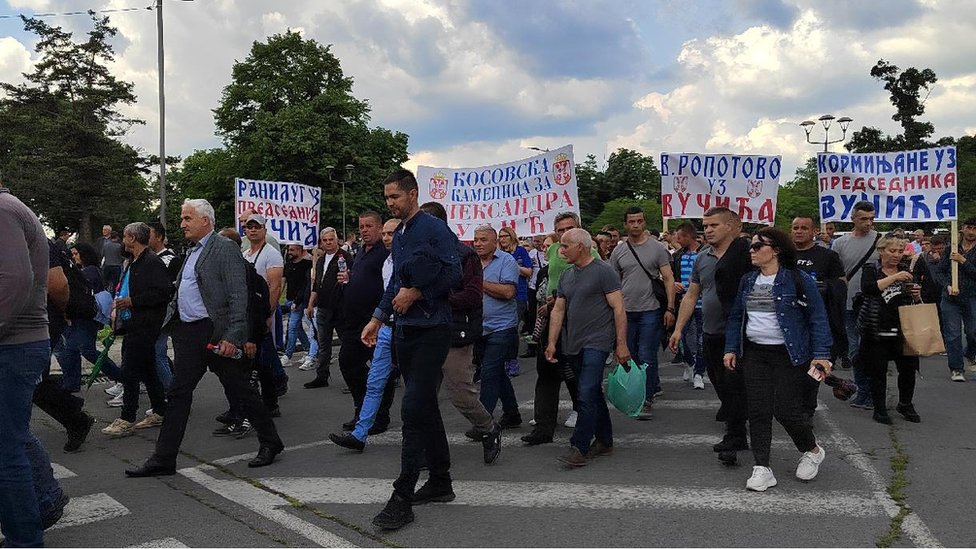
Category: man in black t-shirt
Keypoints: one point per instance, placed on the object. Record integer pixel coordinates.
(827, 269)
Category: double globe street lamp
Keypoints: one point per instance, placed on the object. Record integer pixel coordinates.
(826, 121)
(349, 168)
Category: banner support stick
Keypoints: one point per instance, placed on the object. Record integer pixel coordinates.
(953, 247)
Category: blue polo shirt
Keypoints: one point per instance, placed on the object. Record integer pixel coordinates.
(500, 314)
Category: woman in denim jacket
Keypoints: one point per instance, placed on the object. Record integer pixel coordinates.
(778, 334)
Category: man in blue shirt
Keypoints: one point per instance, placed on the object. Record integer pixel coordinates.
(499, 335)
(425, 269)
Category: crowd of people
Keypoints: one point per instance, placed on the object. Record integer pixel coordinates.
(764, 316)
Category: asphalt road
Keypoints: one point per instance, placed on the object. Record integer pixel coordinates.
(904, 485)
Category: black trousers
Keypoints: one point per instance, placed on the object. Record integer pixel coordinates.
(139, 366)
(551, 377)
(775, 388)
(52, 398)
(353, 356)
(325, 326)
(191, 360)
(729, 386)
(420, 354)
(875, 355)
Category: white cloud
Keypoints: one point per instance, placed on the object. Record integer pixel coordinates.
(15, 59)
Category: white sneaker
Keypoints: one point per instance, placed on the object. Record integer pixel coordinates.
(571, 420)
(115, 402)
(114, 390)
(957, 375)
(307, 364)
(532, 422)
(689, 371)
(119, 428)
(149, 412)
(761, 479)
(699, 382)
(152, 420)
(809, 464)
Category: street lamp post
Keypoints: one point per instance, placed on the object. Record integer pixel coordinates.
(349, 169)
(826, 121)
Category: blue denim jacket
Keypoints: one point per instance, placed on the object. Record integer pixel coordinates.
(804, 323)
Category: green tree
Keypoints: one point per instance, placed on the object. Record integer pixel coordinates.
(287, 115)
(629, 175)
(58, 147)
(799, 196)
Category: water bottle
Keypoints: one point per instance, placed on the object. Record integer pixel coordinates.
(341, 264)
(125, 315)
(215, 349)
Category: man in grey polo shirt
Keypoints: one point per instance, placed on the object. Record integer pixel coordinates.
(715, 278)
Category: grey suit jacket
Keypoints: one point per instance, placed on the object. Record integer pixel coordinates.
(222, 279)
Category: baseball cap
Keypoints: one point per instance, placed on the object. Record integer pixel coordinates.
(257, 218)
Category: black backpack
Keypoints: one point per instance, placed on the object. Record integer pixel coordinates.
(81, 296)
(258, 304)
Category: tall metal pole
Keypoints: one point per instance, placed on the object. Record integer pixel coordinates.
(343, 209)
(162, 114)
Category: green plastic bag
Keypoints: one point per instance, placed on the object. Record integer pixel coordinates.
(626, 388)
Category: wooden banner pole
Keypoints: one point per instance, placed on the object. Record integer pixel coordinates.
(953, 247)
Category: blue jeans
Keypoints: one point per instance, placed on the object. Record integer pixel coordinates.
(958, 314)
(691, 340)
(21, 366)
(496, 348)
(79, 341)
(861, 378)
(643, 338)
(594, 416)
(296, 330)
(279, 335)
(379, 374)
(164, 369)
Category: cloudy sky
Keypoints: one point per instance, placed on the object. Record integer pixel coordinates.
(477, 82)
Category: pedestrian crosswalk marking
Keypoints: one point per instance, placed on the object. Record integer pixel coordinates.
(90, 508)
(165, 542)
(60, 471)
(564, 495)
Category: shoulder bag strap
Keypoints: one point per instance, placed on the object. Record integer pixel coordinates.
(864, 259)
(639, 262)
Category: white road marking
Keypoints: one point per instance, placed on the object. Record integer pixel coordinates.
(60, 471)
(560, 495)
(165, 542)
(912, 526)
(90, 508)
(263, 503)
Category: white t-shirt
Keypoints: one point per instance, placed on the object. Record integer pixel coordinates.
(387, 270)
(762, 326)
(266, 258)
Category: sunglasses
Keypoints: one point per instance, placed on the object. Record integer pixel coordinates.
(756, 246)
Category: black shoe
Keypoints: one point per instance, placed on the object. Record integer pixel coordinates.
(492, 444)
(317, 382)
(510, 421)
(227, 418)
(378, 428)
(275, 411)
(728, 458)
(881, 416)
(349, 425)
(150, 469)
(281, 386)
(78, 434)
(266, 455)
(56, 512)
(476, 434)
(731, 443)
(235, 430)
(431, 492)
(535, 438)
(908, 412)
(397, 514)
(346, 440)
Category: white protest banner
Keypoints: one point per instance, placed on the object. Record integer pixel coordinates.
(915, 185)
(691, 183)
(292, 209)
(525, 194)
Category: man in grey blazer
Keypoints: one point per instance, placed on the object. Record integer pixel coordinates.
(207, 319)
